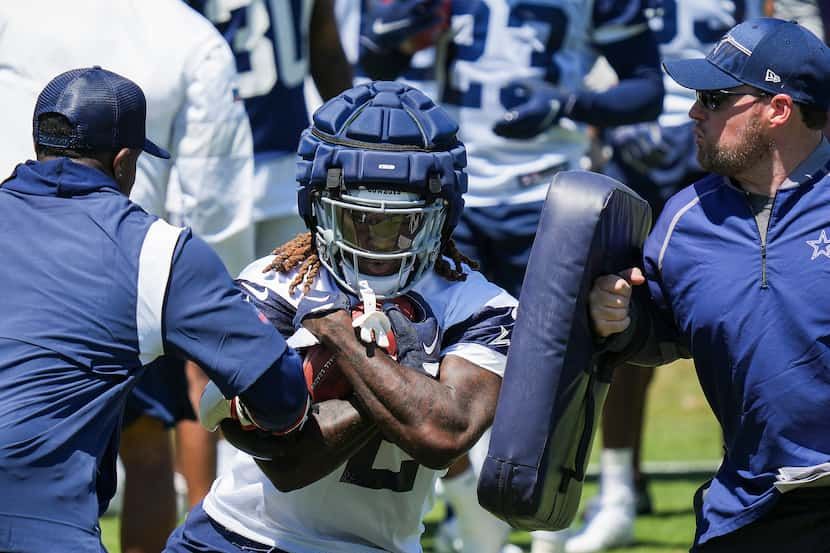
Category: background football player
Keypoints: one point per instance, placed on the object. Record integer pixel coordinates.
(277, 45)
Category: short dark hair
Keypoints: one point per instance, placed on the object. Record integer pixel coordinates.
(814, 118)
(55, 124)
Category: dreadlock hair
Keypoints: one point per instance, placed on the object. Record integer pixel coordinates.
(442, 267)
(301, 251)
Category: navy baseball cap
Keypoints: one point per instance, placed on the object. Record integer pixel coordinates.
(773, 55)
(107, 111)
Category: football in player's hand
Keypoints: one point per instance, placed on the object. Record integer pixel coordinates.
(322, 373)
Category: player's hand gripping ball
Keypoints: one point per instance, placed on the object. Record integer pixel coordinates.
(323, 376)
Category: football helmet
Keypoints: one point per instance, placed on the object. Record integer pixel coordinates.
(381, 175)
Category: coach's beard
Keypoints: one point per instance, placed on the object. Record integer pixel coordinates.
(754, 147)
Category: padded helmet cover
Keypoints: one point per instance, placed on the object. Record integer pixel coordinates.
(385, 135)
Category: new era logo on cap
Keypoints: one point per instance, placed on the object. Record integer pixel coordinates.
(772, 77)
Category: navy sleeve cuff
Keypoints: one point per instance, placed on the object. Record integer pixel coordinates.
(278, 400)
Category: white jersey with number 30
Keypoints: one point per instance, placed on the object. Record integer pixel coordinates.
(375, 501)
(270, 41)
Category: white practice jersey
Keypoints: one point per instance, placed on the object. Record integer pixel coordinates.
(187, 73)
(690, 29)
(377, 500)
(497, 41)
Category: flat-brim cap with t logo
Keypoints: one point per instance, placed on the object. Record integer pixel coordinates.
(107, 112)
(773, 55)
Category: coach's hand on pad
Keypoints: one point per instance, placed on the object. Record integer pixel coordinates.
(609, 299)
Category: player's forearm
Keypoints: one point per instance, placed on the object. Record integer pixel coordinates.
(283, 411)
(416, 412)
(633, 101)
(638, 96)
(332, 75)
(328, 65)
(333, 433)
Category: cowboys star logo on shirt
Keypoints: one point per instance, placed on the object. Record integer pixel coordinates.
(821, 246)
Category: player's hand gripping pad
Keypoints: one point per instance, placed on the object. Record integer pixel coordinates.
(556, 380)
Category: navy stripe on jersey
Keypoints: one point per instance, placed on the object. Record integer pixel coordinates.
(491, 327)
(272, 305)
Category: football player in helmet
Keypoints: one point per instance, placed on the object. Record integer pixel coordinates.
(381, 175)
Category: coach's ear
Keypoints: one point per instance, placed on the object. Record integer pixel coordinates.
(123, 168)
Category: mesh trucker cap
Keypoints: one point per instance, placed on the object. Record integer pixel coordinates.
(107, 112)
(773, 55)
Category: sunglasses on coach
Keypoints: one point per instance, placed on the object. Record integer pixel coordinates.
(713, 100)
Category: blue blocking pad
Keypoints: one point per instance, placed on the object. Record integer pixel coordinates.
(557, 378)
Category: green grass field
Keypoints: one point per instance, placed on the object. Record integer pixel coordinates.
(679, 427)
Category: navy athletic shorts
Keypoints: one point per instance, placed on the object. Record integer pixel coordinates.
(201, 534)
(799, 521)
(161, 393)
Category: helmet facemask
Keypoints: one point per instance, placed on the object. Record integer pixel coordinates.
(381, 178)
(386, 237)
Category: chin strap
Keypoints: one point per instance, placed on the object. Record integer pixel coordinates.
(374, 325)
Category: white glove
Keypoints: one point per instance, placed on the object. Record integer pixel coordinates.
(373, 324)
(214, 408)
